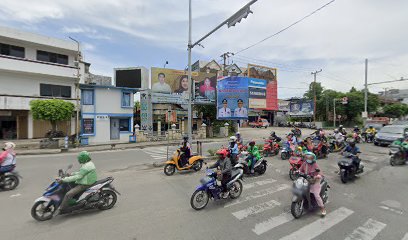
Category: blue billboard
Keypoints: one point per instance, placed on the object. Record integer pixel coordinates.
(301, 108)
(232, 98)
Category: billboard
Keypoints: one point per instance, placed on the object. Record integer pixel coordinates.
(131, 77)
(301, 108)
(270, 75)
(257, 93)
(232, 98)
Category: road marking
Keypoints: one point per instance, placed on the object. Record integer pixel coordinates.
(258, 183)
(153, 151)
(256, 209)
(392, 210)
(321, 225)
(272, 222)
(15, 195)
(368, 231)
(258, 194)
(405, 237)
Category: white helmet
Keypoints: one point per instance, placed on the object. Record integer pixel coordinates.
(233, 139)
(9, 145)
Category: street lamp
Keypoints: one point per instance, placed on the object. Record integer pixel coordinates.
(230, 22)
(77, 88)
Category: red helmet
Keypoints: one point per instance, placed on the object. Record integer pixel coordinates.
(222, 153)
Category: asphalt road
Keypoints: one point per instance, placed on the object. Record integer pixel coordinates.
(155, 206)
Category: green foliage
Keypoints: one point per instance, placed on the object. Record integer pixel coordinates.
(396, 110)
(136, 107)
(310, 93)
(210, 111)
(53, 110)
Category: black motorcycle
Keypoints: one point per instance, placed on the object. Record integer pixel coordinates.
(300, 190)
(260, 165)
(397, 155)
(9, 180)
(348, 170)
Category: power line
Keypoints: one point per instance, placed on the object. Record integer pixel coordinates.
(399, 80)
(286, 28)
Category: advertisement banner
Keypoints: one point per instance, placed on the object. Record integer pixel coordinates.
(257, 93)
(270, 75)
(232, 98)
(301, 108)
(257, 103)
(146, 112)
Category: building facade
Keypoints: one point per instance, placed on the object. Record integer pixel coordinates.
(35, 67)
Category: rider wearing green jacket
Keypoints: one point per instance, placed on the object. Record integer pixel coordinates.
(254, 155)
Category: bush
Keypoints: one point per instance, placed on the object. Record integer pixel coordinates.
(212, 152)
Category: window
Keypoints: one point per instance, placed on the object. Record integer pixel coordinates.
(88, 126)
(126, 99)
(124, 125)
(87, 97)
(52, 57)
(11, 50)
(49, 90)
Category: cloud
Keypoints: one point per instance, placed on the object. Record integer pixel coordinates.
(89, 32)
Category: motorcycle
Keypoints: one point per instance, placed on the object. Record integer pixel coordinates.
(295, 164)
(368, 137)
(336, 146)
(319, 146)
(287, 151)
(210, 188)
(9, 180)
(100, 195)
(270, 148)
(195, 162)
(356, 137)
(348, 170)
(397, 155)
(260, 165)
(300, 188)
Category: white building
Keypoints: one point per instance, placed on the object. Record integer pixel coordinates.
(106, 113)
(34, 67)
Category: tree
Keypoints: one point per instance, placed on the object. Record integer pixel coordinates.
(136, 108)
(396, 110)
(310, 93)
(53, 110)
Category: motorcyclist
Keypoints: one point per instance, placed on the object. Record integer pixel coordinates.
(274, 137)
(356, 129)
(233, 148)
(7, 159)
(353, 149)
(309, 144)
(292, 138)
(310, 168)
(224, 169)
(185, 152)
(296, 131)
(371, 131)
(338, 136)
(254, 155)
(403, 144)
(84, 178)
(240, 141)
(342, 130)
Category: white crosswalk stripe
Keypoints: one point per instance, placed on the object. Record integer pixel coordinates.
(319, 226)
(368, 231)
(405, 237)
(272, 222)
(158, 153)
(256, 209)
(258, 183)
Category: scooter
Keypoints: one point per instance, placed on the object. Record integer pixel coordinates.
(101, 195)
(295, 164)
(195, 162)
(270, 148)
(336, 146)
(9, 180)
(319, 148)
(287, 151)
(348, 170)
(300, 188)
(397, 155)
(260, 165)
(210, 188)
(369, 137)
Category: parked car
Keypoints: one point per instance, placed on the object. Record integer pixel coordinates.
(260, 123)
(389, 134)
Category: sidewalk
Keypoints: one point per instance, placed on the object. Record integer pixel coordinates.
(118, 146)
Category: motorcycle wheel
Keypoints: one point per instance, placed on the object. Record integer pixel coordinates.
(236, 190)
(297, 209)
(392, 161)
(199, 200)
(292, 174)
(109, 198)
(169, 169)
(198, 165)
(44, 213)
(343, 177)
(262, 168)
(10, 182)
(284, 156)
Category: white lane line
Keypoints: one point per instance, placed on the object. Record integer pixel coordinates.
(258, 194)
(272, 222)
(392, 210)
(405, 237)
(319, 226)
(368, 231)
(259, 183)
(15, 195)
(256, 209)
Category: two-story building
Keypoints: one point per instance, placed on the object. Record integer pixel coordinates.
(32, 67)
(106, 113)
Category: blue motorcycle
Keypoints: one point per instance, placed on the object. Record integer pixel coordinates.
(210, 187)
(101, 195)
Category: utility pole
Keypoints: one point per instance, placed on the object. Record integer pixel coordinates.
(78, 75)
(314, 95)
(225, 56)
(365, 115)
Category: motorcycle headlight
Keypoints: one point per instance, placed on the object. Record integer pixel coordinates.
(299, 183)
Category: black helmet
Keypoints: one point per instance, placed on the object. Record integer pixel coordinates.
(252, 143)
(273, 133)
(185, 138)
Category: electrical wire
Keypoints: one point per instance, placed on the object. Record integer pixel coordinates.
(286, 28)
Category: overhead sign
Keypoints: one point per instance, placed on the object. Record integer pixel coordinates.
(232, 98)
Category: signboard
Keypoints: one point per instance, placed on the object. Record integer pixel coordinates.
(128, 77)
(301, 108)
(344, 100)
(268, 74)
(257, 93)
(232, 98)
(102, 117)
(146, 114)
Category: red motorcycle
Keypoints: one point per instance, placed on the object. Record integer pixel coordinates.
(270, 148)
(295, 164)
(320, 149)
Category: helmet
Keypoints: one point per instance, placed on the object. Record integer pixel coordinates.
(341, 126)
(185, 138)
(356, 126)
(352, 143)
(233, 139)
(84, 157)
(336, 130)
(238, 134)
(310, 157)
(273, 133)
(290, 134)
(222, 153)
(9, 145)
(252, 143)
(371, 126)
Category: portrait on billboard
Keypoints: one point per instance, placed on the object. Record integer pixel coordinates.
(232, 98)
(161, 85)
(224, 111)
(207, 87)
(241, 110)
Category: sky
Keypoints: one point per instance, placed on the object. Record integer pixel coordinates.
(336, 39)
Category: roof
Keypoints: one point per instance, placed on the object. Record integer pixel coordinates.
(84, 86)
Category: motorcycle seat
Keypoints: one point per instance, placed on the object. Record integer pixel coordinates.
(101, 181)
